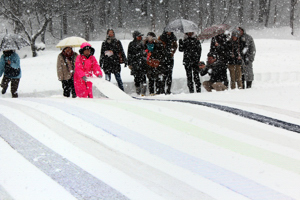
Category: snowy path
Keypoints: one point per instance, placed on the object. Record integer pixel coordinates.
(176, 155)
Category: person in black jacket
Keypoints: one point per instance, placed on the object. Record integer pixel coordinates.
(154, 57)
(112, 55)
(218, 46)
(169, 42)
(137, 63)
(191, 47)
(217, 71)
(235, 59)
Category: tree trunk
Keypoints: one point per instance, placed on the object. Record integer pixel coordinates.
(86, 28)
(43, 37)
(262, 11)
(241, 12)
(212, 12)
(65, 23)
(200, 23)
(292, 15)
(183, 11)
(33, 49)
(268, 13)
(229, 10)
(120, 17)
(33, 39)
(275, 15)
(152, 15)
(51, 26)
(108, 13)
(144, 8)
(167, 17)
(252, 10)
(102, 15)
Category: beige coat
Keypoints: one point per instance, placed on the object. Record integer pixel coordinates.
(65, 69)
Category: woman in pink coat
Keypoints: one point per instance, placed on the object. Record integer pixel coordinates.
(85, 66)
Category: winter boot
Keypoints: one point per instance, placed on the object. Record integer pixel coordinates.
(4, 90)
(168, 91)
(144, 89)
(249, 84)
(138, 90)
(14, 95)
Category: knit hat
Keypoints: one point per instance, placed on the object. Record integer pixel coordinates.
(151, 34)
(136, 34)
(85, 46)
(212, 54)
(235, 33)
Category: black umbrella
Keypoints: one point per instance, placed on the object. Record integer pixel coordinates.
(11, 41)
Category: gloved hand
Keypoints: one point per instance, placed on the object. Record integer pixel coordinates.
(125, 64)
(130, 67)
(180, 41)
(84, 78)
(100, 76)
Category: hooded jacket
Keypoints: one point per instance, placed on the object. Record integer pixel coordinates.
(15, 63)
(85, 67)
(250, 50)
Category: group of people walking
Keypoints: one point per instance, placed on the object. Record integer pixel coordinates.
(150, 57)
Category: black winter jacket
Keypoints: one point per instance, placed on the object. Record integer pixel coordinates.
(235, 50)
(137, 57)
(221, 50)
(111, 64)
(191, 48)
(217, 71)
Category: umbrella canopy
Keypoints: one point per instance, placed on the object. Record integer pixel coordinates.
(213, 31)
(182, 25)
(10, 41)
(70, 42)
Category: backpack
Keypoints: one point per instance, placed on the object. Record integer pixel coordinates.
(10, 71)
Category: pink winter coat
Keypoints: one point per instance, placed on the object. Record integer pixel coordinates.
(85, 67)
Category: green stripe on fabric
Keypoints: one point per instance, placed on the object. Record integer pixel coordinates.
(214, 138)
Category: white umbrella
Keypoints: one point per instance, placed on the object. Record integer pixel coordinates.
(10, 41)
(70, 42)
(182, 25)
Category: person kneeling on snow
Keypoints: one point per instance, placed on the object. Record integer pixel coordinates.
(217, 71)
(85, 66)
(10, 67)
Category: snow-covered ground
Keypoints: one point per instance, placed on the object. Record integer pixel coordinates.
(53, 147)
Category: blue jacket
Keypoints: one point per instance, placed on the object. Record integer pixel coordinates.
(15, 63)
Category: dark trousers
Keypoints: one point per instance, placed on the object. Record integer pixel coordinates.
(154, 79)
(118, 79)
(13, 87)
(139, 79)
(68, 87)
(167, 76)
(192, 72)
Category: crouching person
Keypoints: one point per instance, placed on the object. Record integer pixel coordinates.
(217, 71)
(10, 67)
